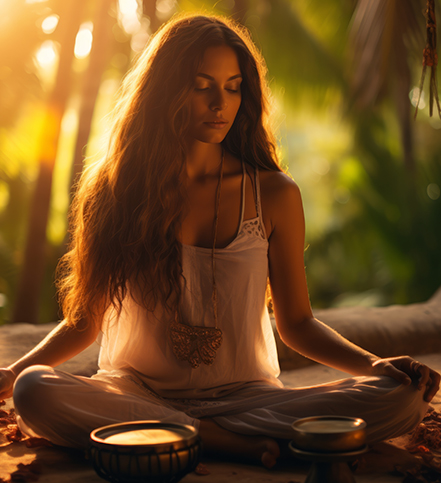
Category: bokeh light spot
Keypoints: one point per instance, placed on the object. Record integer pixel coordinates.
(46, 54)
(321, 166)
(83, 41)
(49, 24)
(165, 8)
(413, 96)
(433, 191)
(342, 195)
(128, 16)
(127, 7)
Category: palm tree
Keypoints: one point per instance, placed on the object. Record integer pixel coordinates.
(99, 56)
(384, 34)
(32, 274)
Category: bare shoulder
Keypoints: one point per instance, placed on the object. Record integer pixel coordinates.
(281, 198)
(277, 187)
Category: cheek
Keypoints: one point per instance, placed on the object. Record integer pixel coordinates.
(197, 107)
(235, 106)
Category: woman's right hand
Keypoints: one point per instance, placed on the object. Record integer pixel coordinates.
(7, 379)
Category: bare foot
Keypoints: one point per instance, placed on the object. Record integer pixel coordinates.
(271, 452)
(220, 441)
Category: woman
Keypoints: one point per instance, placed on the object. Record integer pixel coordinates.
(175, 234)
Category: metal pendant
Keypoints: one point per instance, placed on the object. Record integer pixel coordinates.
(195, 345)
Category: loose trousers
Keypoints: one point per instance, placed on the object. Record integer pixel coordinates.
(65, 408)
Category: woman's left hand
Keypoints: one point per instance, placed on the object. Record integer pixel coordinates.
(405, 370)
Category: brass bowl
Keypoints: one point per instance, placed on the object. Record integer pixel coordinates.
(329, 434)
(119, 455)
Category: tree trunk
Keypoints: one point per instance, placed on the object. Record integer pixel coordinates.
(149, 10)
(99, 56)
(91, 82)
(26, 306)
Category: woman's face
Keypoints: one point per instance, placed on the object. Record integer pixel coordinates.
(216, 96)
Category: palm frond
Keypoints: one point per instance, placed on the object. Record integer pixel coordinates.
(382, 34)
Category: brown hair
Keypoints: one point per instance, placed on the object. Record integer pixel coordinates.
(126, 214)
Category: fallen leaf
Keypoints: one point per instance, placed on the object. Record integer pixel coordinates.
(202, 470)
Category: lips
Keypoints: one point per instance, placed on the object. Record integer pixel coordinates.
(216, 124)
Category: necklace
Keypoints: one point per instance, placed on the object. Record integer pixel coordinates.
(196, 344)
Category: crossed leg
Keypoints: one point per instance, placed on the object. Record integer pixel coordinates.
(65, 409)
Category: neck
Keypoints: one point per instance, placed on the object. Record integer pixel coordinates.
(203, 159)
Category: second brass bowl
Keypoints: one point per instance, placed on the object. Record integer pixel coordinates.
(329, 434)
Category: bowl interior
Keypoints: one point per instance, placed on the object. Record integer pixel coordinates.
(144, 433)
(329, 433)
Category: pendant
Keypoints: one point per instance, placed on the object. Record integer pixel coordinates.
(195, 345)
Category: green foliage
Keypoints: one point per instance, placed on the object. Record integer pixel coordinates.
(387, 246)
(373, 228)
(13, 218)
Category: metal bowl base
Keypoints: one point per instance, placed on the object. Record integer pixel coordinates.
(327, 472)
(328, 467)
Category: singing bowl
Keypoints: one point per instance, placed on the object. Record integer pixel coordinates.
(119, 455)
(329, 434)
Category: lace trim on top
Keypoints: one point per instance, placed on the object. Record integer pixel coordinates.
(253, 227)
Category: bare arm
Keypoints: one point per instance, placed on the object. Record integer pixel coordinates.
(295, 322)
(60, 345)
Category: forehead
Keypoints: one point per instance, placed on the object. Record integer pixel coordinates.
(220, 60)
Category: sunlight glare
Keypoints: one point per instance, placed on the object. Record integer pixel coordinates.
(83, 41)
(128, 10)
(46, 54)
(130, 23)
(128, 7)
(70, 121)
(4, 195)
(50, 23)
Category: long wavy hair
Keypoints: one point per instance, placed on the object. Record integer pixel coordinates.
(126, 216)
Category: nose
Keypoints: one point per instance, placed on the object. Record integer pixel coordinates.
(218, 102)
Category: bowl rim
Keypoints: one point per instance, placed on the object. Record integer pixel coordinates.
(189, 435)
(295, 425)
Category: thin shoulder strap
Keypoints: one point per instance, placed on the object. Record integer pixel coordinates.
(242, 209)
(258, 200)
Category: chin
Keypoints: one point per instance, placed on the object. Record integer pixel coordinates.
(211, 138)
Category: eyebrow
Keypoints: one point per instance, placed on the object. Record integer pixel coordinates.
(206, 76)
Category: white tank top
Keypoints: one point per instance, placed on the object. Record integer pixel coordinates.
(138, 341)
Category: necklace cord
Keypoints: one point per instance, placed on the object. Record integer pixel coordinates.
(216, 221)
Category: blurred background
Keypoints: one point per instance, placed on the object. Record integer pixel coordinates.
(345, 78)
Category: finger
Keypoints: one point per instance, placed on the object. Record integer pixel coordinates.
(433, 387)
(424, 372)
(431, 391)
(398, 375)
